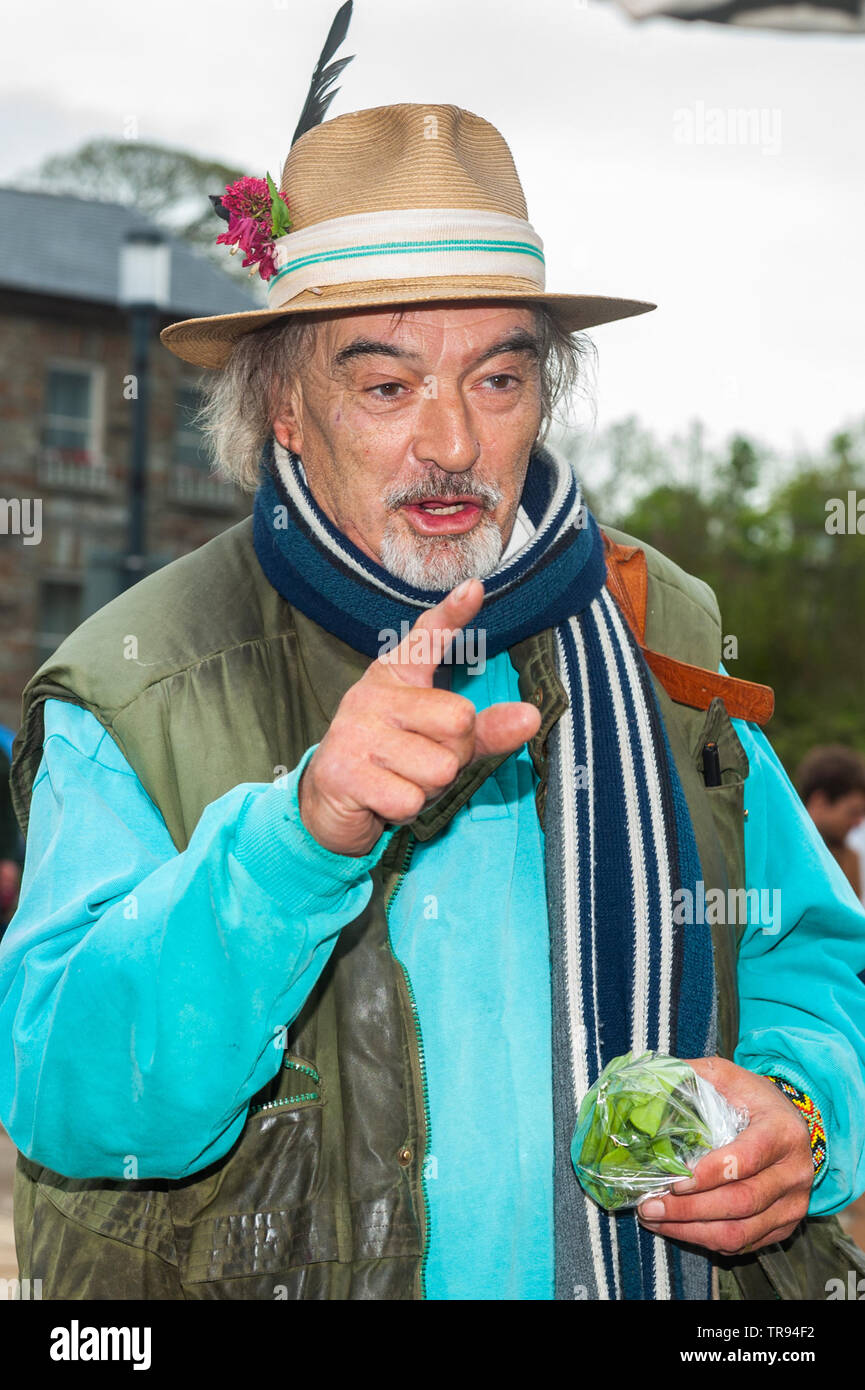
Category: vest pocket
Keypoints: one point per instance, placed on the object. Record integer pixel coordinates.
(296, 1084)
(717, 727)
(725, 865)
(64, 1227)
(268, 1205)
(726, 802)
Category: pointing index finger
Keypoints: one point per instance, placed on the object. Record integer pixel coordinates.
(415, 659)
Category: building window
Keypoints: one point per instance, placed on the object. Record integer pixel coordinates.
(191, 478)
(188, 439)
(59, 614)
(71, 452)
(69, 416)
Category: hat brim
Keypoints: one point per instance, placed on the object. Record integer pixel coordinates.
(207, 342)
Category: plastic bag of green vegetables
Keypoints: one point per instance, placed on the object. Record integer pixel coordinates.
(647, 1121)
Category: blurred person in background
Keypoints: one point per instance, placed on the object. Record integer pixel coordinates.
(831, 783)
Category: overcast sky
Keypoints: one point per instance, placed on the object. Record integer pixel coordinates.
(753, 250)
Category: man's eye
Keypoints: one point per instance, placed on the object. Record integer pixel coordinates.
(388, 389)
(504, 380)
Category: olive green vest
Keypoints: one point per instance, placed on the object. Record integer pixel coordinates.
(205, 677)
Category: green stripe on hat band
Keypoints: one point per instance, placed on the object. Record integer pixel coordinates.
(395, 248)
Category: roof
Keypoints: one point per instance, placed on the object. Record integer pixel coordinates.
(70, 247)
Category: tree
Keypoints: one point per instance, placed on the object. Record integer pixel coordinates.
(170, 186)
(792, 593)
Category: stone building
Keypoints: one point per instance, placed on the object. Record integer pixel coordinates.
(66, 420)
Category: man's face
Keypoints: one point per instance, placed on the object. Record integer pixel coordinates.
(835, 819)
(415, 433)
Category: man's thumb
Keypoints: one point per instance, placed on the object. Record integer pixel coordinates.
(505, 727)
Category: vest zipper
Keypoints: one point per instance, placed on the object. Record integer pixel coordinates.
(421, 1059)
(288, 1065)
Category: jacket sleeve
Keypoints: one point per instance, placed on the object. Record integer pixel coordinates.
(802, 1003)
(143, 992)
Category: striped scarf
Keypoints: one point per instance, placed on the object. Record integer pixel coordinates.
(619, 841)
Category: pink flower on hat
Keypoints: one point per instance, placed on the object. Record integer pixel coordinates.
(256, 213)
(248, 198)
(253, 239)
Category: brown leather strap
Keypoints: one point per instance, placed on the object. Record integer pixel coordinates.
(628, 582)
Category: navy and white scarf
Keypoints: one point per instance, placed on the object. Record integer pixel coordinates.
(619, 841)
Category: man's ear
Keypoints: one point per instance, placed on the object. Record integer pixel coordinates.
(287, 425)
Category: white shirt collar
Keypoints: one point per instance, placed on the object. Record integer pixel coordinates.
(522, 532)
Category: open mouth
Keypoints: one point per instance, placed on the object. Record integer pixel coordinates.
(444, 515)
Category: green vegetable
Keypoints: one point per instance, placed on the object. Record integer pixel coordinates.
(648, 1117)
(638, 1126)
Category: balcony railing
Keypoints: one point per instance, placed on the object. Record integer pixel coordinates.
(75, 469)
(186, 483)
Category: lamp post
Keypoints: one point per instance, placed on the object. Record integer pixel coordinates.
(145, 276)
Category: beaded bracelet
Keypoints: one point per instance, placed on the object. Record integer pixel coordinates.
(806, 1106)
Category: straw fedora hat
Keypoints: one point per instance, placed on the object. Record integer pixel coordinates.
(399, 205)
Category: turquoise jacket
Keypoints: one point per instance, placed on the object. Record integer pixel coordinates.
(145, 937)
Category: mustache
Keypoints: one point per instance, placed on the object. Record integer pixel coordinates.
(443, 487)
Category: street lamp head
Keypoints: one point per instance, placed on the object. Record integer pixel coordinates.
(145, 269)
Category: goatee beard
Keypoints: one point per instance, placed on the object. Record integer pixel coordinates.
(441, 562)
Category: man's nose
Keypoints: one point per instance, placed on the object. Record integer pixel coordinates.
(444, 434)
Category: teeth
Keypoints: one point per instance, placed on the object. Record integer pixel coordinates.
(446, 511)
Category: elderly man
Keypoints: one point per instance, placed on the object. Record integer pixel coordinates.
(329, 919)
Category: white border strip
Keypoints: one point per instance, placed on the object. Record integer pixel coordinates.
(405, 243)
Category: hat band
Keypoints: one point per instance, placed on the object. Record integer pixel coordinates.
(404, 243)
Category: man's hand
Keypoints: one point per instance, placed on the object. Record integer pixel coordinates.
(752, 1192)
(397, 743)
